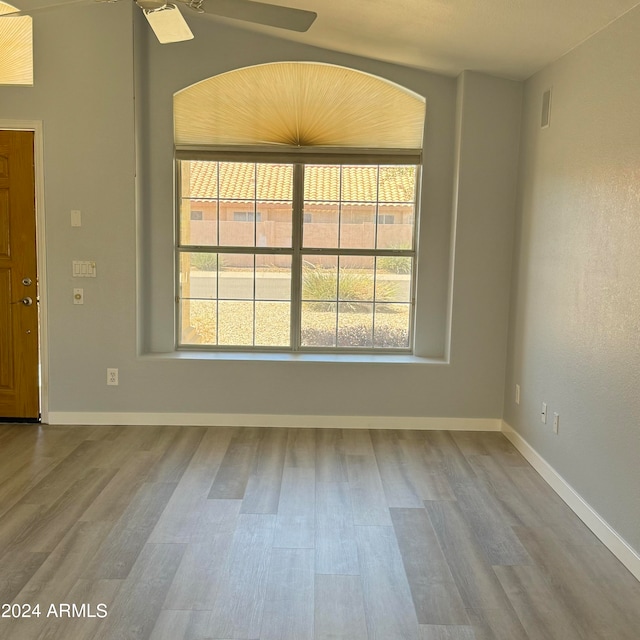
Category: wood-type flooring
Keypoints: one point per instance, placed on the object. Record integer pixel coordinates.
(192, 533)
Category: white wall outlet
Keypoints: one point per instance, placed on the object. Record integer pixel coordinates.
(76, 218)
(556, 423)
(517, 396)
(78, 296)
(112, 377)
(543, 413)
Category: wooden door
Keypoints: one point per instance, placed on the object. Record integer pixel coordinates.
(19, 379)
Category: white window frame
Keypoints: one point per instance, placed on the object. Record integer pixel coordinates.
(299, 158)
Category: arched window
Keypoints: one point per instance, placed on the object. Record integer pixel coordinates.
(16, 48)
(297, 209)
(299, 104)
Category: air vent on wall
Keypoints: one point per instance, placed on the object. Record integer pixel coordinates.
(546, 109)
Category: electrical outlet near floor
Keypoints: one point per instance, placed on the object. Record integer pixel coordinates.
(112, 377)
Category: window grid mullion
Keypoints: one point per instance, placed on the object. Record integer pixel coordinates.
(255, 244)
(218, 299)
(334, 251)
(255, 206)
(254, 300)
(296, 258)
(235, 249)
(340, 202)
(375, 259)
(217, 217)
(373, 302)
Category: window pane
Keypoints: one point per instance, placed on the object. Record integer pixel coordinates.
(391, 329)
(320, 279)
(237, 180)
(395, 226)
(235, 323)
(393, 279)
(358, 226)
(199, 179)
(275, 182)
(237, 223)
(356, 283)
(274, 224)
(320, 285)
(273, 321)
(355, 325)
(322, 182)
(321, 224)
(236, 276)
(319, 323)
(397, 183)
(199, 275)
(198, 222)
(359, 184)
(273, 277)
(198, 322)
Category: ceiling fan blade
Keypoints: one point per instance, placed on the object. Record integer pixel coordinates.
(272, 15)
(168, 24)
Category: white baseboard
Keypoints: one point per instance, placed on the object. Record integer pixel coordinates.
(608, 536)
(268, 420)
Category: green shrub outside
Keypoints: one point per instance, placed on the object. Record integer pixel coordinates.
(206, 261)
(356, 289)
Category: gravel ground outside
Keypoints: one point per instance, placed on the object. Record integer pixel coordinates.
(235, 321)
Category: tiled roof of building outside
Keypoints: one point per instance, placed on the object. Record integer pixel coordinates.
(359, 184)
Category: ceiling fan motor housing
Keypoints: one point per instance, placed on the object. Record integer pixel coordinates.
(151, 5)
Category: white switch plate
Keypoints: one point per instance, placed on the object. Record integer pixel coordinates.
(556, 423)
(84, 269)
(517, 394)
(78, 296)
(76, 218)
(543, 413)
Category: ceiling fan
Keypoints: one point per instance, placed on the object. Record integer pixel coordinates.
(169, 25)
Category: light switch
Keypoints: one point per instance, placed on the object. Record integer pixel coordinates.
(84, 269)
(76, 218)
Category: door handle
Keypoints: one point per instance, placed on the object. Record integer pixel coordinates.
(26, 301)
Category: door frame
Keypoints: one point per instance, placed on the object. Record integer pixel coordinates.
(43, 335)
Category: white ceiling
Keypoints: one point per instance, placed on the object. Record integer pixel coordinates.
(509, 38)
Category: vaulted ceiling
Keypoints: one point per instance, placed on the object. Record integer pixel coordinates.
(509, 38)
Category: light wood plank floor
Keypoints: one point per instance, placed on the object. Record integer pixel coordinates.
(188, 533)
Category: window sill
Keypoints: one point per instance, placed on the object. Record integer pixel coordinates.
(263, 356)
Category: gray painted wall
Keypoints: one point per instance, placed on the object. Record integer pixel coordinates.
(83, 94)
(575, 318)
(117, 168)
